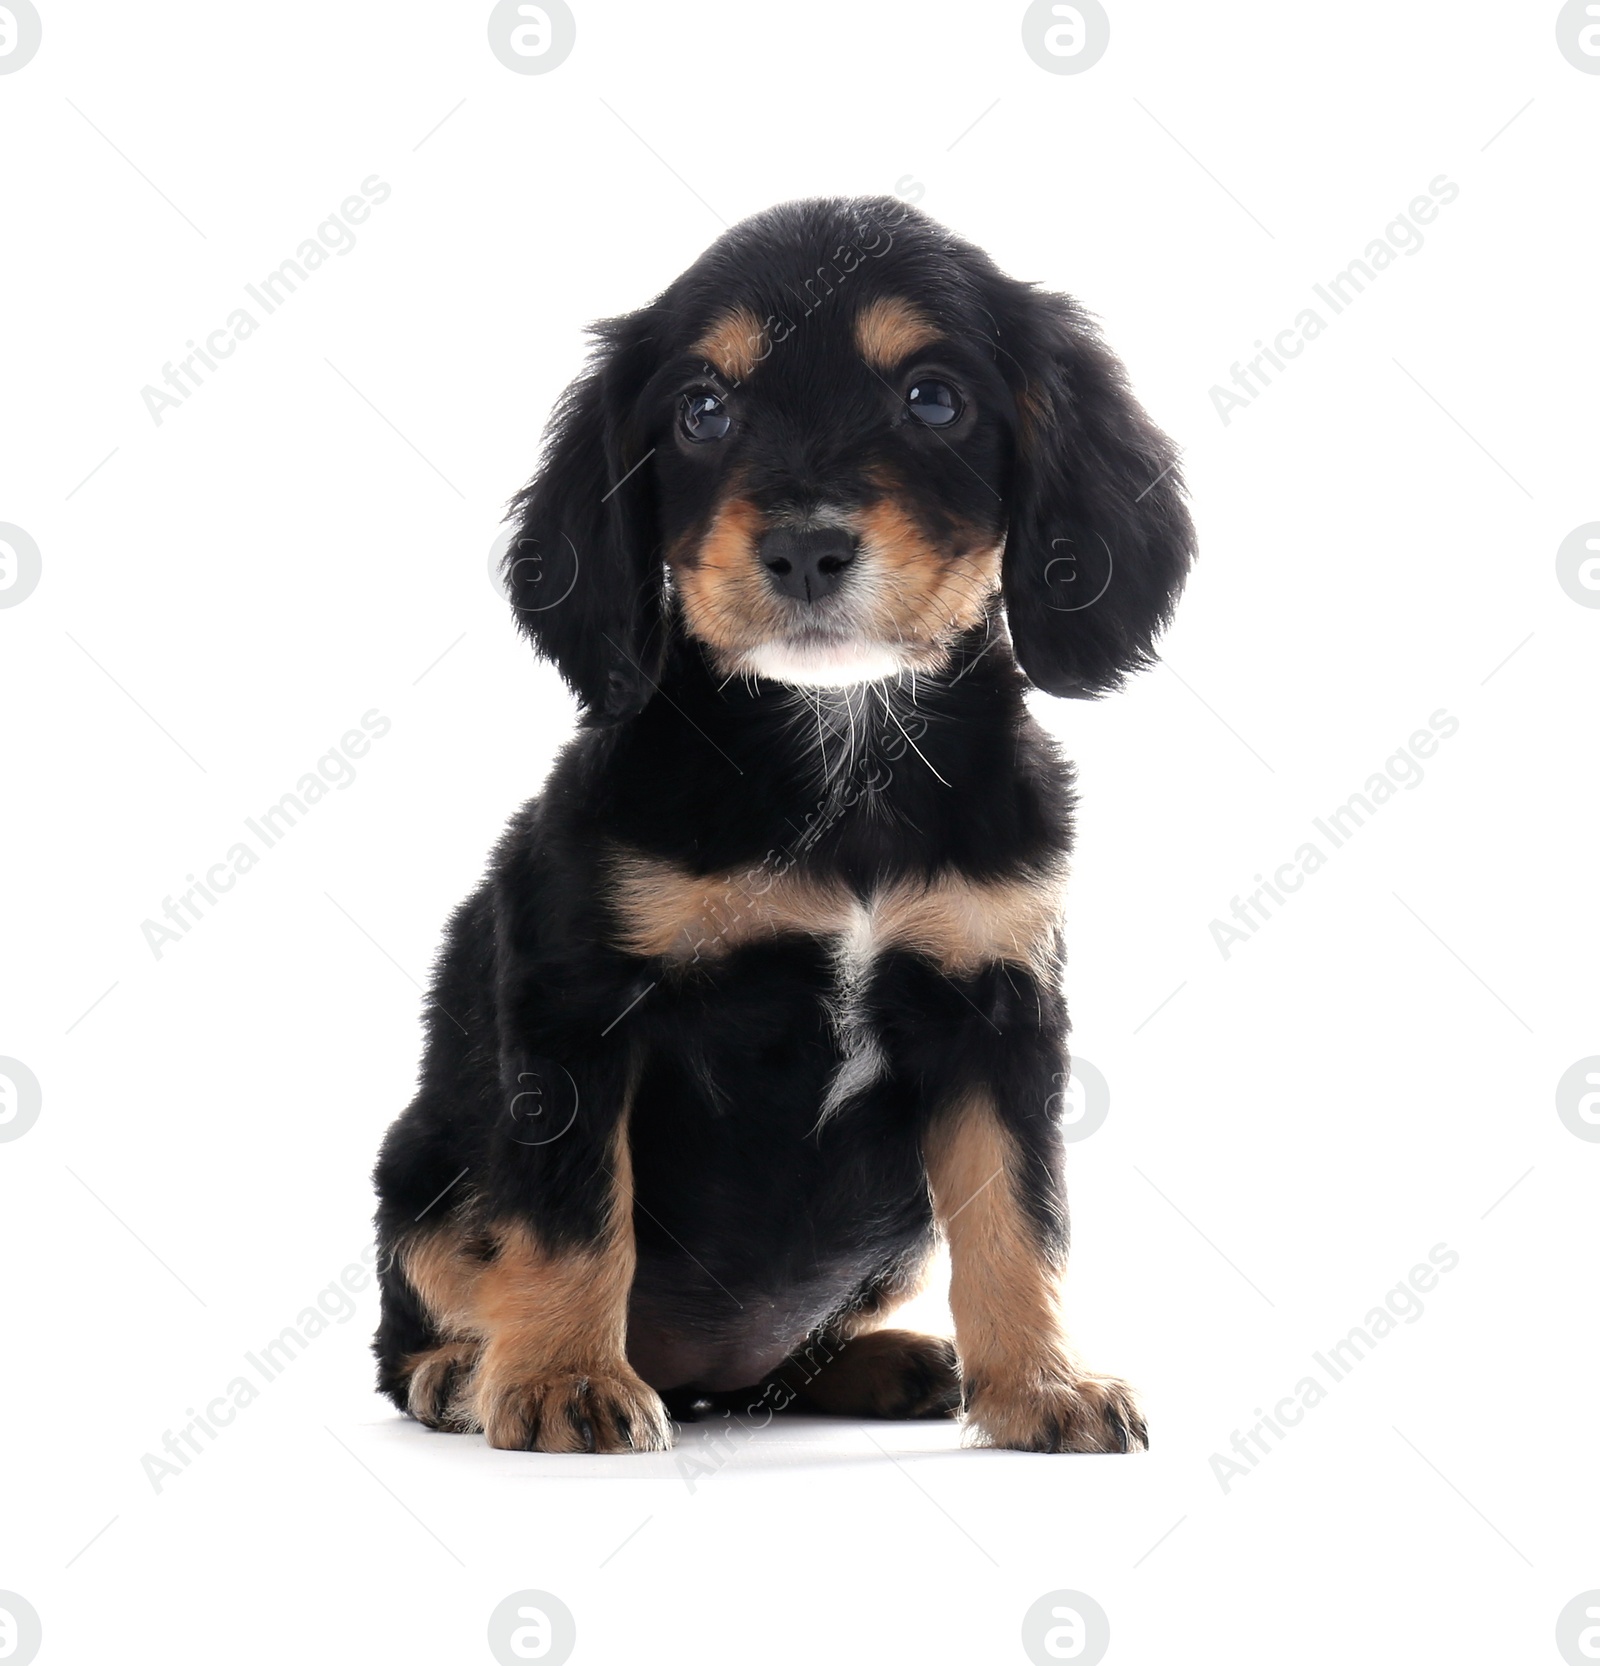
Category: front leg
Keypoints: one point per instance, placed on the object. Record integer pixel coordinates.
(553, 1375)
(985, 1021)
(533, 1306)
(553, 1311)
(999, 1199)
(523, 1287)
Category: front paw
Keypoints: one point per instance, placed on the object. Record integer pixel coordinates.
(1052, 1409)
(606, 1410)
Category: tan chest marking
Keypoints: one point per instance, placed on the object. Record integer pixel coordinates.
(665, 910)
(959, 924)
(963, 924)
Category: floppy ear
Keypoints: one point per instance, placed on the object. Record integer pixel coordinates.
(1098, 541)
(584, 568)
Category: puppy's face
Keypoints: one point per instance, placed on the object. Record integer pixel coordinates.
(831, 464)
(824, 449)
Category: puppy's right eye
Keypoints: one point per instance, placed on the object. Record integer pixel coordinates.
(703, 416)
(935, 403)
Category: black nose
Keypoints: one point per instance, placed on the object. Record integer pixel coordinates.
(807, 565)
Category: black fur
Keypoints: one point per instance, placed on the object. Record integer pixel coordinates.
(757, 1226)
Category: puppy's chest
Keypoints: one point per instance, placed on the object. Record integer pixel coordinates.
(959, 923)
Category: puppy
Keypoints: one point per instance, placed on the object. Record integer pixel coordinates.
(762, 996)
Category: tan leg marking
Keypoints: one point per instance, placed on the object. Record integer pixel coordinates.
(1024, 1387)
(443, 1266)
(549, 1331)
(890, 330)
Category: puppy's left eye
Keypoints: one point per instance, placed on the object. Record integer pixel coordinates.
(703, 416)
(935, 403)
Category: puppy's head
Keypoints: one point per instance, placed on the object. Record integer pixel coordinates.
(827, 451)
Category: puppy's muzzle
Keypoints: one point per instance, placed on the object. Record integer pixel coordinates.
(807, 565)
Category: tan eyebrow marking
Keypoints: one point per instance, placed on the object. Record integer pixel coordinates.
(888, 330)
(735, 344)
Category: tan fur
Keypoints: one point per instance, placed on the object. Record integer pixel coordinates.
(1004, 1292)
(1033, 410)
(926, 596)
(536, 1308)
(1024, 1387)
(727, 601)
(665, 910)
(890, 330)
(443, 1269)
(913, 592)
(959, 924)
(548, 1330)
(735, 344)
(964, 924)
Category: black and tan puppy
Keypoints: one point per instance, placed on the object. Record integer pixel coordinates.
(762, 995)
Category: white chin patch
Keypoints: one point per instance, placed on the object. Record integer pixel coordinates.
(813, 666)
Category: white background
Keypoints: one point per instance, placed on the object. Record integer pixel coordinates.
(1289, 1133)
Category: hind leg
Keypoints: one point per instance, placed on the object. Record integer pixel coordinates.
(856, 1367)
(439, 1386)
(406, 1333)
(426, 1375)
(884, 1373)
